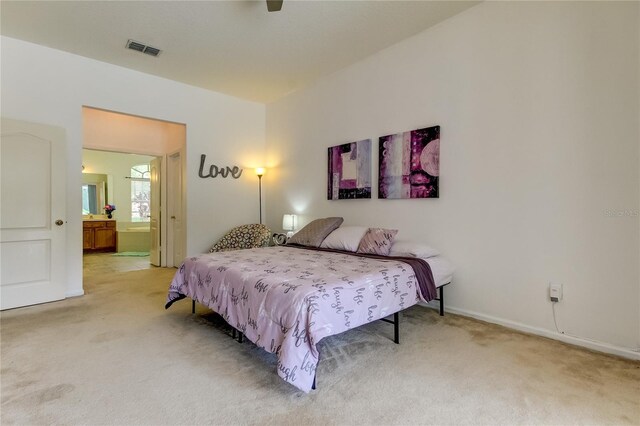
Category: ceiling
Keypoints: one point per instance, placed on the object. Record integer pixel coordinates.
(232, 47)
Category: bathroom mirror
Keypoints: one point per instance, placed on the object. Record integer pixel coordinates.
(93, 193)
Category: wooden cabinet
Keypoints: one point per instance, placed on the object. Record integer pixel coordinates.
(99, 235)
(87, 238)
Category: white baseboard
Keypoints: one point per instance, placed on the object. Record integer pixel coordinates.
(578, 341)
(75, 293)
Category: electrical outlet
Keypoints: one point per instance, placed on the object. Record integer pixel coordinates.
(555, 292)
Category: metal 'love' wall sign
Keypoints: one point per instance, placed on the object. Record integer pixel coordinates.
(214, 170)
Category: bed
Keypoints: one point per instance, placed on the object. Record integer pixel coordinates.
(285, 299)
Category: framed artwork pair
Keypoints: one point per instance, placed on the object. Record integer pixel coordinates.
(408, 166)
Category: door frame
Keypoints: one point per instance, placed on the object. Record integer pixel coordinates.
(162, 154)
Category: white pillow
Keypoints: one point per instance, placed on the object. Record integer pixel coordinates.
(412, 249)
(345, 238)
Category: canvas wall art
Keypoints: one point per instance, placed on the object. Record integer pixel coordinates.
(350, 171)
(409, 164)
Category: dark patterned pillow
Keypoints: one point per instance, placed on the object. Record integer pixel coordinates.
(243, 237)
(377, 241)
(315, 232)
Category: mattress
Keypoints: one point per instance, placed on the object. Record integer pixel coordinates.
(441, 269)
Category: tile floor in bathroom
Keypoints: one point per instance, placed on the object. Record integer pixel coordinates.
(105, 263)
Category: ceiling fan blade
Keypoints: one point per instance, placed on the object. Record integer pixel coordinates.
(274, 5)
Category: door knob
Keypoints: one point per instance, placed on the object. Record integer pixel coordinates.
(173, 217)
(59, 222)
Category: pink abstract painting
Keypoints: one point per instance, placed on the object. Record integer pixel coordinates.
(349, 173)
(409, 164)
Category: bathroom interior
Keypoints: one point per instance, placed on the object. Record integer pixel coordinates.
(123, 181)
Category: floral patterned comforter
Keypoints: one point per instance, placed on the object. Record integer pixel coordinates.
(286, 299)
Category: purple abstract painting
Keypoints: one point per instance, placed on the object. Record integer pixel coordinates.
(349, 171)
(410, 164)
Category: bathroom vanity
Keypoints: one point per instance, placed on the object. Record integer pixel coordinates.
(99, 234)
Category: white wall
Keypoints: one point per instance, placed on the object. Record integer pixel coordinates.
(538, 104)
(48, 86)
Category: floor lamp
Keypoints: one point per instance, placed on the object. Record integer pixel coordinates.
(260, 172)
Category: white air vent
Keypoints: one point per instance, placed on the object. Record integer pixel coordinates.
(135, 45)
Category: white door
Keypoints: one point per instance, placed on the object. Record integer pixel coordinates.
(154, 225)
(32, 214)
(176, 213)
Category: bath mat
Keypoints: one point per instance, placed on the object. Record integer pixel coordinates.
(132, 253)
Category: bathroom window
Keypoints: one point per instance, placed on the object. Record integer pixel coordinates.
(140, 193)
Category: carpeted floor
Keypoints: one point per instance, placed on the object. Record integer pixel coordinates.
(115, 356)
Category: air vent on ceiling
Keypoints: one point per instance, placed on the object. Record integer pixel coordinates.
(135, 45)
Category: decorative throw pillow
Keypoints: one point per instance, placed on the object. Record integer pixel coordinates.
(315, 232)
(377, 241)
(243, 237)
(412, 249)
(345, 238)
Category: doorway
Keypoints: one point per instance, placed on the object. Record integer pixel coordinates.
(118, 203)
(157, 144)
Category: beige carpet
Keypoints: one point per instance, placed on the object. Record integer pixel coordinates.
(115, 356)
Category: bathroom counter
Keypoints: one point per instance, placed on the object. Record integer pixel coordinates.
(97, 217)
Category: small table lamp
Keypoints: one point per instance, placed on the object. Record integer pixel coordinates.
(289, 224)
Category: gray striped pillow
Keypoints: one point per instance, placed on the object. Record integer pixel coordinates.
(377, 241)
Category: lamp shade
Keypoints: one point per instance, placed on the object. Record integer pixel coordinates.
(260, 171)
(289, 222)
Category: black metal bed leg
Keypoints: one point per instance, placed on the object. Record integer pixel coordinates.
(193, 306)
(233, 332)
(315, 373)
(396, 328)
(240, 337)
(442, 301)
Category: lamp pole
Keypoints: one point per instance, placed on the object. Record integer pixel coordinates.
(259, 172)
(260, 196)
